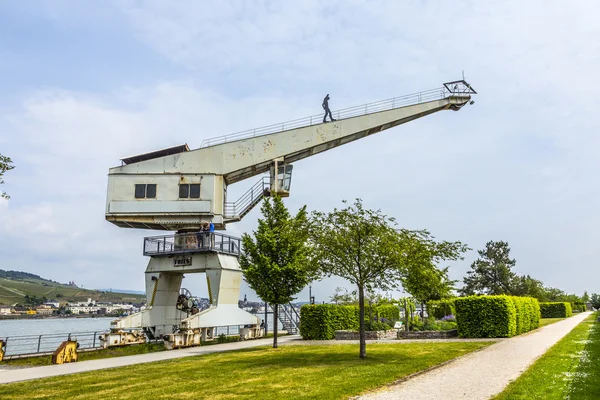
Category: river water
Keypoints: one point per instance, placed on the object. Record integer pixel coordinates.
(22, 327)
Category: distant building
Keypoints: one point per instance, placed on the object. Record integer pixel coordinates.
(5, 310)
(52, 303)
(44, 310)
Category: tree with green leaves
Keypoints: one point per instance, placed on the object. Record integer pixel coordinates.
(5, 166)
(595, 299)
(586, 297)
(492, 272)
(276, 258)
(423, 279)
(361, 246)
(343, 297)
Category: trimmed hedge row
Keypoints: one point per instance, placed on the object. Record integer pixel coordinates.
(579, 306)
(496, 316)
(388, 312)
(556, 310)
(320, 321)
(440, 308)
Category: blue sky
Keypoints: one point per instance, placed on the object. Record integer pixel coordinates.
(85, 83)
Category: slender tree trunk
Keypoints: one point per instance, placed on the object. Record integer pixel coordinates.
(361, 322)
(406, 327)
(275, 324)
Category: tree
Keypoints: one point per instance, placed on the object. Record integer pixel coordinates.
(492, 272)
(586, 297)
(361, 246)
(275, 261)
(423, 279)
(5, 166)
(343, 297)
(595, 299)
(527, 286)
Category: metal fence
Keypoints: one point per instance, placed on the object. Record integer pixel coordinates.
(357, 111)
(192, 243)
(47, 343)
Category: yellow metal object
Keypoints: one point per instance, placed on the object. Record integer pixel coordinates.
(210, 298)
(2, 349)
(66, 352)
(154, 292)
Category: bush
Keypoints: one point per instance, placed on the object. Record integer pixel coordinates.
(579, 306)
(387, 313)
(440, 308)
(556, 310)
(376, 326)
(496, 316)
(433, 325)
(320, 321)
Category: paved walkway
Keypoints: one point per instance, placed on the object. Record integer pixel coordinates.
(483, 374)
(23, 374)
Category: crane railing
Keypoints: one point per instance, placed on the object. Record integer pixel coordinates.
(357, 111)
(248, 200)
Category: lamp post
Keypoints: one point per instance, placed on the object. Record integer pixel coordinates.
(310, 295)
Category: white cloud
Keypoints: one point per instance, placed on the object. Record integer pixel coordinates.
(520, 165)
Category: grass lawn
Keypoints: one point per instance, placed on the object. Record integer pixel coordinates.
(90, 355)
(289, 372)
(548, 321)
(116, 352)
(569, 369)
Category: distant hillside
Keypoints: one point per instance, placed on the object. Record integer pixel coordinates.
(15, 285)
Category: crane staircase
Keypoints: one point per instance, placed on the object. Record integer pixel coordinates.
(289, 318)
(235, 211)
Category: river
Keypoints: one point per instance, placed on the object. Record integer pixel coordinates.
(45, 326)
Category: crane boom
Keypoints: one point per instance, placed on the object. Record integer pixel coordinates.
(230, 159)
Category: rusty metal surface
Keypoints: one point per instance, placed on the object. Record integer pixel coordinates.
(66, 352)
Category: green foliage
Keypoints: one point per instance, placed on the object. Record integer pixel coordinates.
(320, 321)
(276, 260)
(556, 310)
(595, 299)
(34, 300)
(441, 308)
(5, 166)
(342, 297)
(492, 272)
(387, 313)
(361, 246)
(432, 325)
(578, 306)
(422, 278)
(495, 316)
(377, 326)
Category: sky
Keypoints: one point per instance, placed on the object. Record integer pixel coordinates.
(86, 83)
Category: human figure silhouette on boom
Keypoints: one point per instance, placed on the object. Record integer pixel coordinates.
(326, 108)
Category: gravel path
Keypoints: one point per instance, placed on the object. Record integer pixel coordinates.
(483, 374)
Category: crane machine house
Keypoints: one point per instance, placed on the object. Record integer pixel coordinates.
(175, 189)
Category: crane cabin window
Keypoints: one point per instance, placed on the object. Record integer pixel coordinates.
(145, 191)
(189, 191)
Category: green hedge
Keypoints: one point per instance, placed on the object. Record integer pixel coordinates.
(388, 312)
(496, 316)
(440, 308)
(320, 321)
(556, 310)
(579, 306)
